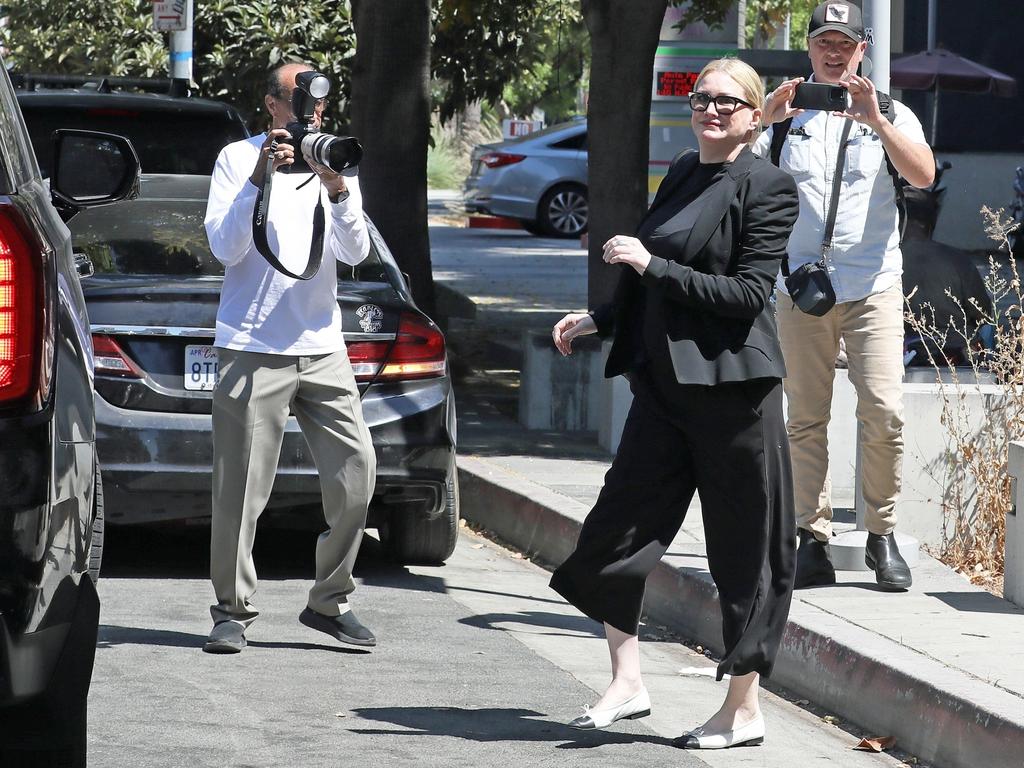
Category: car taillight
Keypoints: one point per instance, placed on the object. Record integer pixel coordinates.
(499, 159)
(109, 359)
(418, 353)
(21, 311)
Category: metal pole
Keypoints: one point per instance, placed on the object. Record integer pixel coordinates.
(932, 29)
(181, 48)
(932, 24)
(878, 18)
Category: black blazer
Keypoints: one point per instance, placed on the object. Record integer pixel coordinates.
(719, 320)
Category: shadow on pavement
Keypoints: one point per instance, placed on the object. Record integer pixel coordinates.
(975, 602)
(111, 635)
(496, 724)
(572, 626)
(180, 551)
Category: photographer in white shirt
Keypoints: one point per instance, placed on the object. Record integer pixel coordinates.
(281, 350)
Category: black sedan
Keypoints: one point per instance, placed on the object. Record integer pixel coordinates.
(152, 306)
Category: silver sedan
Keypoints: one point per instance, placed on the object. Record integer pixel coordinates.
(539, 179)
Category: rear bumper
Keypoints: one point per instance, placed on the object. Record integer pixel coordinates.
(479, 201)
(157, 466)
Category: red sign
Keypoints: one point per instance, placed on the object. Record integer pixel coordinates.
(674, 84)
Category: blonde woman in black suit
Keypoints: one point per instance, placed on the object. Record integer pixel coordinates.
(693, 324)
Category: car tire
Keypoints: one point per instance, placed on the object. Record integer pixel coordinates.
(532, 227)
(96, 542)
(563, 211)
(420, 540)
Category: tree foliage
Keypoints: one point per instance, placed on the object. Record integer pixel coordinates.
(480, 46)
(112, 37)
(763, 16)
(235, 43)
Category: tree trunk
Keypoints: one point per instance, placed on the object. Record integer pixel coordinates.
(623, 38)
(391, 117)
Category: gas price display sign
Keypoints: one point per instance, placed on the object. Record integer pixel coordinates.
(672, 84)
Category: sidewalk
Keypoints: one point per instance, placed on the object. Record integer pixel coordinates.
(940, 667)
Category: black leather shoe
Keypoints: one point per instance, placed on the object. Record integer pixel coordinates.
(813, 566)
(346, 627)
(883, 557)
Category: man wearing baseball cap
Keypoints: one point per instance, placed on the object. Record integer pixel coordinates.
(864, 264)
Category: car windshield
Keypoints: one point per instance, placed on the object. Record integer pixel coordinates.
(204, 135)
(166, 237)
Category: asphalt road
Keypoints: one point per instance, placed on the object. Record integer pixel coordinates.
(479, 664)
(449, 684)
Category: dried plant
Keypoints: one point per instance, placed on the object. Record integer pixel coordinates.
(977, 488)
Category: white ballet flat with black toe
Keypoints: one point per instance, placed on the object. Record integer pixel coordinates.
(632, 708)
(748, 735)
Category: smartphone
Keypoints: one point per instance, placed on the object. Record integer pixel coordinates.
(828, 98)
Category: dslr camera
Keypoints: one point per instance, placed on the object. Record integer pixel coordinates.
(310, 144)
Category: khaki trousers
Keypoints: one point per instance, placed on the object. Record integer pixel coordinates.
(250, 411)
(872, 330)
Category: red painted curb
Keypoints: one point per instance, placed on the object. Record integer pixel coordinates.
(492, 222)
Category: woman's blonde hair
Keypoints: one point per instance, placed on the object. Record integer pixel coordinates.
(746, 78)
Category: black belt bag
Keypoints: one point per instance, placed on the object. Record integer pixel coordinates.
(810, 287)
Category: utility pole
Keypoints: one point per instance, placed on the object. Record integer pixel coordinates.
(181, 45)
(878, 18)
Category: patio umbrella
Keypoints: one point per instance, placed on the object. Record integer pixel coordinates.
(941, 69)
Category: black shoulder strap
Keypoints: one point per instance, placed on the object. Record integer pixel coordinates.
(259, 230)
(888, 109)
(779, 133)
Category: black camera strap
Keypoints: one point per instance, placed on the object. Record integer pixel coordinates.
(259, 229)
(833, 204)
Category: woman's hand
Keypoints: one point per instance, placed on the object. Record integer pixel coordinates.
(623, 249)
(572, 325)
(778, 105)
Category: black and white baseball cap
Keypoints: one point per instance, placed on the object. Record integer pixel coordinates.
(839, 17)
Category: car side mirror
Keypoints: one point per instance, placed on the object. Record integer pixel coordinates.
(90, 169)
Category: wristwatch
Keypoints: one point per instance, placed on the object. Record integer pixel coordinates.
(342, 197)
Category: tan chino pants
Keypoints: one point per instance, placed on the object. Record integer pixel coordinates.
(872, 329)
(250, 412)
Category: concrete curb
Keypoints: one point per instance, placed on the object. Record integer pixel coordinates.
(943, 716)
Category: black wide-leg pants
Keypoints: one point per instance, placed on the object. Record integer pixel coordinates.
(728, 443)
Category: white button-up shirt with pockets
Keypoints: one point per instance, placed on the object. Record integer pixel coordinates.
(865, 258)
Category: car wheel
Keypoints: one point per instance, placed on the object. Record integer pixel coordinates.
(96, 542)
(415, 539)
(563, 211)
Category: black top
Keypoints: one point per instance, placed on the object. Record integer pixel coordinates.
(664, 233)
(713, 292)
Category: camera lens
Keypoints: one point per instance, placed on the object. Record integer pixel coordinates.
(336, 152)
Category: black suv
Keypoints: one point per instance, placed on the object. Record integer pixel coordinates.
(50, 494)
(199, 127)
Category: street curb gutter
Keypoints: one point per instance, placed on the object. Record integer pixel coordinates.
(941, 715)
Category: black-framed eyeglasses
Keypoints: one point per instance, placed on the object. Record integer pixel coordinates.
(724, 105)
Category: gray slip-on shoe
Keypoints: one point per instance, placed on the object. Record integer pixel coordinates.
(225, 637)
(346, 627)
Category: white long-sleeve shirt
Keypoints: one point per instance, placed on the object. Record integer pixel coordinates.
(866, 257)
(262, 310)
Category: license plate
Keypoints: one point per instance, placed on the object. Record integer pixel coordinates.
(201, 368)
